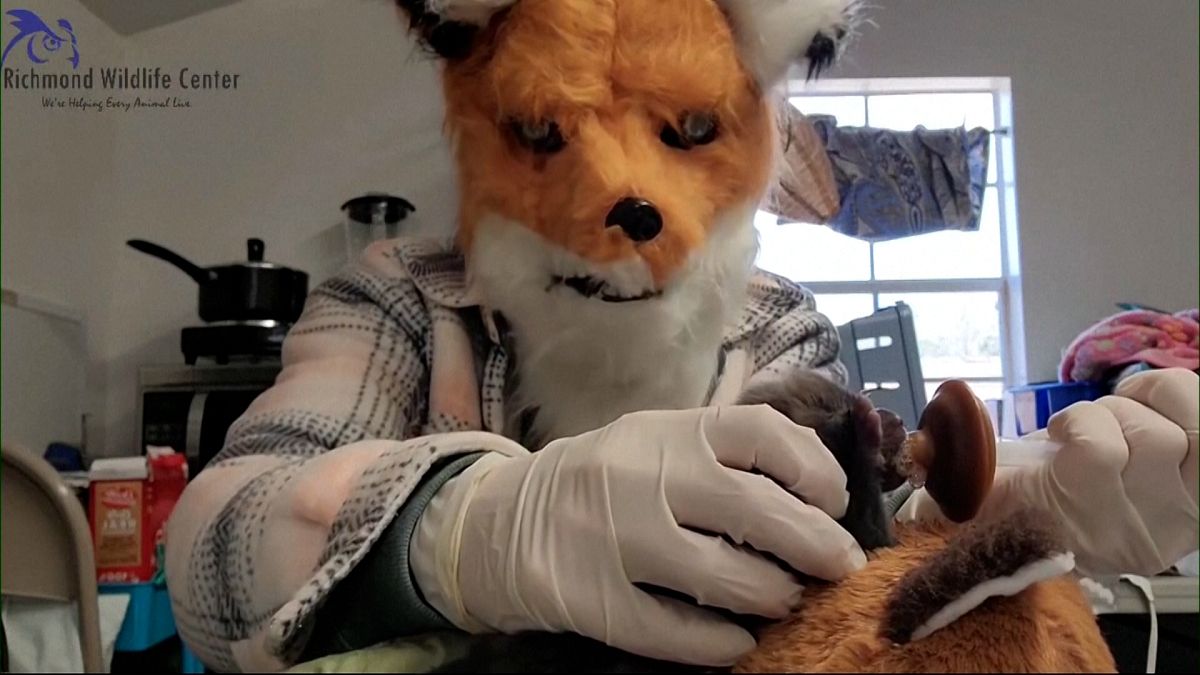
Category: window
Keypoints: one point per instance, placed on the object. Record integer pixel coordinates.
(960, 285)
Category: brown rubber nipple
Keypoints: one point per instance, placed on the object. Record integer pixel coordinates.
(953, 451)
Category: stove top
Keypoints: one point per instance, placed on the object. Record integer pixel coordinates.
(224, 342)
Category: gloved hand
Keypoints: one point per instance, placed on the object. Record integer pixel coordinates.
(1123, 481)
(556, 540)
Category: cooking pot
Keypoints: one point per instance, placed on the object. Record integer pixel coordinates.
(252, 290)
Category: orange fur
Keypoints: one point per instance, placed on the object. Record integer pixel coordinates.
(610, 73)
(1049, 627)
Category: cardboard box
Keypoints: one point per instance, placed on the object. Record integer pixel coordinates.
(124, 554)
(168, 478)
(131, 499)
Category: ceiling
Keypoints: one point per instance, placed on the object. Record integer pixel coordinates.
(127, 17)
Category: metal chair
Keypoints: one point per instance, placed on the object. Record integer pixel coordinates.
(46, 545)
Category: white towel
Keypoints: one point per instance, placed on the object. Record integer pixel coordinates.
(43, 635)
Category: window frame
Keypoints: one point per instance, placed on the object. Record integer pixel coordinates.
(1007, 286)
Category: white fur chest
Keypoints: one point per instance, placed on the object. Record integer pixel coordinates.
(582, 362)
(568, 395)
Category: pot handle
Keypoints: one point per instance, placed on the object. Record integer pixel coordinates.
(255, 249)
(201, 275)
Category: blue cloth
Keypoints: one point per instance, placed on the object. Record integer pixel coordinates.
(895, 184)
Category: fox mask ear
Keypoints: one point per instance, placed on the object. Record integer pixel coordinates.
(771, 34)
(774, 34)
(448, 27)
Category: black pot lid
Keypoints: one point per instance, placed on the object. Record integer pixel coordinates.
(362, 209)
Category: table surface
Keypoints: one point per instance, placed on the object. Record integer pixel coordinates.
(1172, 595)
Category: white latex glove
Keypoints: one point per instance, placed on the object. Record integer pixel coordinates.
(555, 541)
(1124, 480)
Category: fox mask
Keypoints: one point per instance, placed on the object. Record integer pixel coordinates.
(618, 131)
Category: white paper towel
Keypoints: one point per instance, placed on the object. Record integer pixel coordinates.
(43, 635)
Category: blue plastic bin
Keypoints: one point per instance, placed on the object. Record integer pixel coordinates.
(190, 662)
(149, 621)
(1034, 404)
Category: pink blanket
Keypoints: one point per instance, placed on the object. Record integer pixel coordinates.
(1161, 340)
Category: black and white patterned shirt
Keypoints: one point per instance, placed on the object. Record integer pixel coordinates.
(392, 368)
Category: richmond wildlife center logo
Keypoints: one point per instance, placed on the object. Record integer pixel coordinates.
(35, 60)
(41, 42)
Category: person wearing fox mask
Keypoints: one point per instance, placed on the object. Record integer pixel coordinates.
(531, 430)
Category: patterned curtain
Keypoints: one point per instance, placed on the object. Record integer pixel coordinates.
(805, 190)
(889, 184)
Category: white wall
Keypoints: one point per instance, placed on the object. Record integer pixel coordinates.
(1105, 114)
(334, 100)
(59, 197)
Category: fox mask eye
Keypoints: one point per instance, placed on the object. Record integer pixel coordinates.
(694, 128)
(542, 136)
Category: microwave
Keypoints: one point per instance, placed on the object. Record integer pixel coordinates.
(190, 408)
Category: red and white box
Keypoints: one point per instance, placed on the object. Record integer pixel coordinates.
(130, 501)
(117, 510)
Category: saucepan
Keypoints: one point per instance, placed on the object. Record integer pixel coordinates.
(249, 290)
